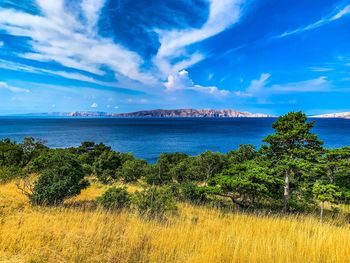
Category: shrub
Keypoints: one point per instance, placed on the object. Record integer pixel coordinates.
(107, 164)
(192, 193)
(10, 173)
(62, 177)
(115, 199)
(132, 170)
(155, 202)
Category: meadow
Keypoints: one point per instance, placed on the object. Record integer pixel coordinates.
(77, 232)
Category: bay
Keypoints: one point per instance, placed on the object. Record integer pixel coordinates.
(149, 137)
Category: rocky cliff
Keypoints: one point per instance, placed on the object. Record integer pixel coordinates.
(226, 113)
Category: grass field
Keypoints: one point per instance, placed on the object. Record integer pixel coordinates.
(76, 234)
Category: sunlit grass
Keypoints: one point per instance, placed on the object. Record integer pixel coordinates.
(197, 234)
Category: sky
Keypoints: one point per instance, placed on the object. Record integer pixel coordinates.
(266, 56)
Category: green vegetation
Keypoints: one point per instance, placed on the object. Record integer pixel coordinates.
(115, 199)
(291, 172)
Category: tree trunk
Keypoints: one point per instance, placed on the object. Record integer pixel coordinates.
(286, 192)
(321, 214)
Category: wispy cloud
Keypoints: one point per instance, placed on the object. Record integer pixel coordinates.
(336, 14)
(261, 89)
(57, 35)
(174, 43)
(10, 65)
(13, 89)
(321, 69)
(71, 38)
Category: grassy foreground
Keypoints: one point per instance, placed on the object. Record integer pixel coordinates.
(73, 234)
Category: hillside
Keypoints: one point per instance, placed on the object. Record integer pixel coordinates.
(225, 113)
(77, 233)
(195, 113)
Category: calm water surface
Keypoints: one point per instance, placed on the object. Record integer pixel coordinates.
(147, 138)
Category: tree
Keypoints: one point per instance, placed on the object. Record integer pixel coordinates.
(61, 176)
(337, 170)
(31, 149)
(209, 164)
(245, 152)
(193, 193)
(107, 164)
(292, 142)
(325, 193)
(115, 199)
(155, 202)
(11, 154)
(132, 170)
(245, 184)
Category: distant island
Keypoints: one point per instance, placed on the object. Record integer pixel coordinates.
(342, 115)
(161, 113)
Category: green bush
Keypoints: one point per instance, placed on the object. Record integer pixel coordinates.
(115, 199)
(155, 202)
(10, 173)
(132, 170)
(62, 177)
(192, 193)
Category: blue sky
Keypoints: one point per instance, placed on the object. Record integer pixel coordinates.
(264, 56)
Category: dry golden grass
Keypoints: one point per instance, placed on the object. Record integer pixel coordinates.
(196, 235)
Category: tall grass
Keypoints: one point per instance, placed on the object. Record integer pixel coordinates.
(195, 235)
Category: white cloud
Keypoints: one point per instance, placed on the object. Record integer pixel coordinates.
(94, 105)
(321, 69)
(58, 36)
(182, 81)
(92, 10)
(71, 38)
(261, 89)
(335, 15)
(136, 101)
(342, 12)
(5, 64)
(173, 44)
(13, 89)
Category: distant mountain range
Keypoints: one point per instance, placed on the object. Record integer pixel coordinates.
(176, 113)
(159, 113)
(343, 115)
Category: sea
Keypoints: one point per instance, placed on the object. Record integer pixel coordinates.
(147, 138)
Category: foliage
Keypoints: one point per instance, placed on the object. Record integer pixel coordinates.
(245, 184)
(61, 177)
(8, 173)
(245, 152)
(11, 153)
(115, 199)
(285, 172)
(193, 193)
(290, 148)
(155, 202)
(107, 164)
(132, 170)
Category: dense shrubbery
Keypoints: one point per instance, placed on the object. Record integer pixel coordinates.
(155, 202)
(291, 172)
(61, 177)
(115, 199)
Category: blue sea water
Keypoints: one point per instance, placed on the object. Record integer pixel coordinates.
(148, 137)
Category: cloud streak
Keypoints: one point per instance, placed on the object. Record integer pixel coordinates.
(59, 36)
(262, 90)
(338, 13)
(13, 89)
